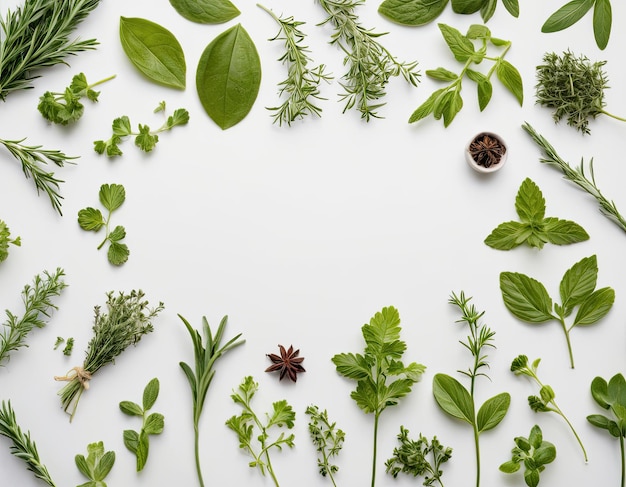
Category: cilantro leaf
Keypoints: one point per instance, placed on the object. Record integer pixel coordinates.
(145, 140)
(5, 240)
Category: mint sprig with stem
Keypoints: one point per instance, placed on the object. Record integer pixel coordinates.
(327, 438)
(545, 401)
(249, 427)
(532, 452)
(381, 377)
(528, 300)
(454, 398)
(447, 102)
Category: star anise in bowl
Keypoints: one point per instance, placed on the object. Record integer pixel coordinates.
(486, 152)
(288, 363)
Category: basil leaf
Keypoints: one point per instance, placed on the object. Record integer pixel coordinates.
(512, 7)
(154, 51)
(493, 411)
(427, 107)
(508, 235)
(530, 203)
(602, 19)
(525, 297)
(510, 77)
(461, 47)
(488, 9)
(206, 11)
(578, 282)
(467, 6)
(595, 307)
(563, 232)
(453, 398)
(567, 15)
(412, 12)
(452, 107)
(228, 77)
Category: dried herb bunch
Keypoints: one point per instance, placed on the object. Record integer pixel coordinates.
(487, 150)
(574, 88)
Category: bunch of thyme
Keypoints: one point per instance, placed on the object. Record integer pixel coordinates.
(370, 65)
(302, 83)
(37, 35)
(37, 301)
(127, 320)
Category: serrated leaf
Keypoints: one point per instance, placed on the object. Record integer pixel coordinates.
(530, 203)
(150, 394)
(118, 253)
(563, 232)
(595, 307)
(412, 12)
(602, 20)
(352, 366)
(112, 196)
(578, 282)
(121, 127)
(508, 235)
(283, 414)
(567, 15)
(492, 412)
(453, 398)
(90, 219)
(206, 11)
(154, 425)
(118, 233)
(131, 408)
(146, 140)
(526, 298)
(510, 77)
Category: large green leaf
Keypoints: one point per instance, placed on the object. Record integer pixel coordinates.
(412, 12)
(453, 398)
(525, 297)
(578, 282)
(206, 11)
(467, 6)
(602, 20)
(508, 235)
(530, 203)
(462, 48)
(510, 77)
(595, 307)
(567, 15)
(563, 232)
(493, 411)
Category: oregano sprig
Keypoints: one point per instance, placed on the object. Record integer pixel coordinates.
(532, 452)
(327, 438)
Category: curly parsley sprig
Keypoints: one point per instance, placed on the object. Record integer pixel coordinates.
(6, 240)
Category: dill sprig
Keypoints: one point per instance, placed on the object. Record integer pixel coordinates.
(127, 320)
(23, 447)
(37, 35)
(302, 83)
(37, 299)
(370, 65)
(33, 158)
(577, 176)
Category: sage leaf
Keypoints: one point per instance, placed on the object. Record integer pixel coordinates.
(154, 424)
(143, 448)
(154, 51)
(602, 20)
(510, 77)
(595, 307)
(206, 11)
(525, 297)
(131, 440)
(492, 412)
(131, 408)
(453, 398)
(412, 12)
(229, 76)
(150, 394)
(567, 15)
(466, 6)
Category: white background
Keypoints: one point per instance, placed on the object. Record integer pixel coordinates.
(300, 234)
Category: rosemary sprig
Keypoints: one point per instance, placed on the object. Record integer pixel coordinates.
(37, 35)
(23, 447)
(302, 82)
(32, 158)
(577, 176)
(370, 65)
(37, 301)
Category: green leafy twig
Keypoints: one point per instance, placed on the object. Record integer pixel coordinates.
(327, 438)
(534, 453)
(534, 229)
(370, 64)
(382, 379)
(200, 377)
(612, 397)
(301, 87)
(96, 466)
(248, 421)
(127, 319)
(23, 447)
(37, 35)
(6, 240)
(574, 10)
(545, 401)
(34, 159)
(145, 138)
(447, 102)
(453, 398)
(112, 196)
(412, 456)
(152, 424)
(528, 299)
(37, 299)
(65, 107)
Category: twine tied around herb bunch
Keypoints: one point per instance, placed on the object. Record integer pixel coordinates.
(76, 373)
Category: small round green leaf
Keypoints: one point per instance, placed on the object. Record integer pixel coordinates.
(118, 253)
(90, 219)
(131, 408)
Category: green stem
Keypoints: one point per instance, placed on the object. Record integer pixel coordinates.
(613, 116)
(270, 469)
(569, 343)
(476, 444)
(376, 416)
(196, 433)
(571, 427)
(102, 81)
(621, 448)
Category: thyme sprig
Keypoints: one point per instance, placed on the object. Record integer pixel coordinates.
(37, 299)
(301, 87)
(328, 440)
(33, 158)
(23, 446)
(37, 35)
(370, 64)
(577, 176)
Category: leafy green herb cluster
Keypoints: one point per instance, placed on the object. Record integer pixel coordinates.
(545, 401)
(65, 107)
(206, 11)
(574, 10)
(457, 401)
(249, 427)
(112, 196)
(370, 64)
(447, 102)
(381, 377)
(412, 458)
(69, 345)
(6, 240)
(527, 299)
(534, 229)
(327, 438)
(96, 466)
(534, 453)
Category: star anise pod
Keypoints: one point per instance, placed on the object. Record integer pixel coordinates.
(288, 363)
(486, 150)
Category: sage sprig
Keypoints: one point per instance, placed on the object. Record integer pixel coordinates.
(574, 10)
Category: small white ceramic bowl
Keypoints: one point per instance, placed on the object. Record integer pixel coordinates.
(478, 167)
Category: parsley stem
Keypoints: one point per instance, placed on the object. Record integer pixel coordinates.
(376, 416)
(102, 81)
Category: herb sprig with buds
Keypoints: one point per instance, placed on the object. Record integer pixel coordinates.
(37, 299)
(65, 107)
(327, 438)
(534, 453)
(574, 10)
(33, 159)
(96, 466)
(200, 377)
(37, 35)
(248, 421)
(23, 446)
(545, 401)
(301, 87)
(6, 240)
(574, 88)
(577, 176)
(370, 64)
(447, 102)
(126, 319)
